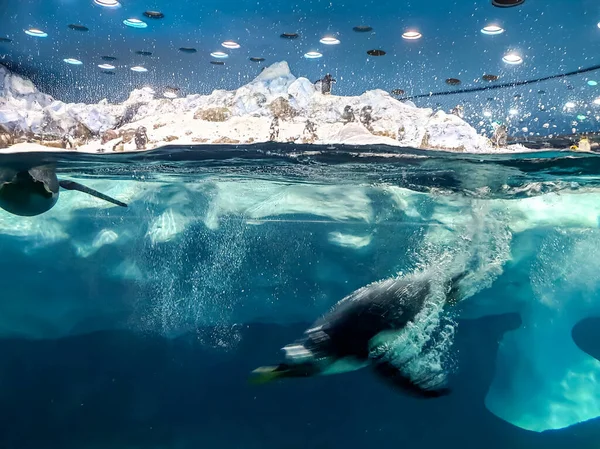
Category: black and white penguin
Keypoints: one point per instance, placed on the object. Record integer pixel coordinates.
(325, 84)
(33, 191)
(359, 332)
(141, 138)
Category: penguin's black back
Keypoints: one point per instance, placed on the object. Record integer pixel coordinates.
(347, 329)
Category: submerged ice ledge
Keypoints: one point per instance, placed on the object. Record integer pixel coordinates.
(275, 106)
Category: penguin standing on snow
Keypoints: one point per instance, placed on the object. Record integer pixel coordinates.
(360, 331)
(325, 84)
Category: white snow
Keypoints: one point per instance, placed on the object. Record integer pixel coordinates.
(242, 116)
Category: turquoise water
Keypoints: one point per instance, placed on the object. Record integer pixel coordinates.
(138, 327)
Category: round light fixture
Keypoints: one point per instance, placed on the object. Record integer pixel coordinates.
(73, 61)
(230, 44)
(412, 35)
(139, 68)
(328, 40)
(512, 58)
(492, 30)
(507, 3)
(376, 52)
(154, 15)
(219, 54)
(592, 83)
(570, 105)
(106, 66)
(77, 27)
(36, 33)
(135, 23)
(312, 55)
(107, 3)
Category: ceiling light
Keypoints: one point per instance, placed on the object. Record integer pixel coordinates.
(257, 59)
(231, 45)
(36, 33)
(106, 66)
(492, 30)
(453, 81)
(139, 68)
(154, 15)
(312, 55)
(135, 23)
(507, 3)
(592, 83)
(375, 52)
(73, 61)
(107, 3)
(412, 35)
(219, 54)
(328, 40)
(597, 101)
(76, 27)
(512, 58)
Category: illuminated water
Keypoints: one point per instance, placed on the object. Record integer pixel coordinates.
(138, 327)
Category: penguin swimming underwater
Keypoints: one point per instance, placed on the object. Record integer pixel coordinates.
(34, 191)
(357, 333)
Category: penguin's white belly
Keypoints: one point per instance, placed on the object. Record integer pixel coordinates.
(344, 365)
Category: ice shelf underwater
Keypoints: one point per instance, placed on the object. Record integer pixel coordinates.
(275, 106)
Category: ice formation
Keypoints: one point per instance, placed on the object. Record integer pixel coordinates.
(275, 106)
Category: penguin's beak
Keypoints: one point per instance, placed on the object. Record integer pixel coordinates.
(265, 374)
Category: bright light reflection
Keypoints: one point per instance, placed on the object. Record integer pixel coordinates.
(230, 44)
(135, 23)
(492, 30)
(412, 35)
(36, 33)
(219, 54)
(312, 55)
(512, 58)
(328, 40)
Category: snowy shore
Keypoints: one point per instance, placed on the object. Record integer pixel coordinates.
(275, 106)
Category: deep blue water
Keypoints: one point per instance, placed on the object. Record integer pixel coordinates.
(138, 327)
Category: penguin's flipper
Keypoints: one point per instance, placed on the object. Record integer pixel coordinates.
(404, 382)
(72, 185)
(265, 374)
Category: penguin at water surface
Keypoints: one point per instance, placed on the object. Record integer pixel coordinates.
(360, 331)
(33, 191)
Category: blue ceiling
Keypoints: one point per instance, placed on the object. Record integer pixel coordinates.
(552, 36)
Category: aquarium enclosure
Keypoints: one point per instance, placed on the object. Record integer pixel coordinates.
(299, 224)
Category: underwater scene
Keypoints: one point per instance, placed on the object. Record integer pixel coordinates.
(282, 225)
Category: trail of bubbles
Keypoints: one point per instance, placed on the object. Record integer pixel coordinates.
(480, 246)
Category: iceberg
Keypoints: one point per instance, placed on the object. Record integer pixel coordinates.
(276, 106)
